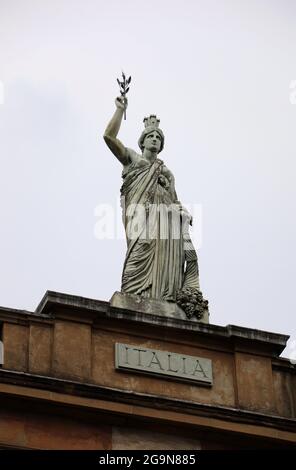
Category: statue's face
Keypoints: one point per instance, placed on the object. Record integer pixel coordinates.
(152, 142)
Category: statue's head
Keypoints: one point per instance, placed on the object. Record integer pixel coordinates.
(152, 137)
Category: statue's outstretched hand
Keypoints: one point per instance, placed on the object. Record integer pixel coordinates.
(121, 102)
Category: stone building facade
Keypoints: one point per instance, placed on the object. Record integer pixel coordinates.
(63, 387)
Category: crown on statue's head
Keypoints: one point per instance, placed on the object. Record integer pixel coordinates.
(151, 125)
(151, 121)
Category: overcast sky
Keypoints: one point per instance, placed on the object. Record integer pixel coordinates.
(218, 75)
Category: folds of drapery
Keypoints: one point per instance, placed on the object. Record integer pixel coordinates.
(154, 263)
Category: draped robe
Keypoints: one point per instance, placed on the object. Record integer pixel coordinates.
(155, 258)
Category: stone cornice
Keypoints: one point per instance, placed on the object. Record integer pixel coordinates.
(56, 305)
(25, 381)
(284, 364)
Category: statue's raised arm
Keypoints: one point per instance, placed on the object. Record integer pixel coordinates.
(110, 135)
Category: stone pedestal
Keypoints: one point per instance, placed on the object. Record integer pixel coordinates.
(152, 307)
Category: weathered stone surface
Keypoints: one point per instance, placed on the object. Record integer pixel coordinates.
(72, 350)
(254, 382)
(16, 345)
(40, 349)
(152, 307)
(44, 431)
(139, 439)
(104, 372)
(285, 393)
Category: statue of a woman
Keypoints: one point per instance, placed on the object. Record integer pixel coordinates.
(161, 262)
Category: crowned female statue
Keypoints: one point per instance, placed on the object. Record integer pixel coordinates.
(161, 262)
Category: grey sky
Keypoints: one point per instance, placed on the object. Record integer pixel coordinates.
(217, 73)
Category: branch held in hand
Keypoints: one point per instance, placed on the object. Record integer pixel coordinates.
(124, 88)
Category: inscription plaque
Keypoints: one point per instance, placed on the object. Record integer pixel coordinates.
(164, 363)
